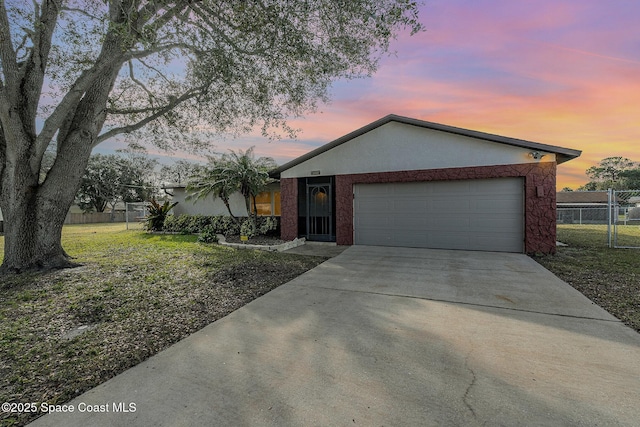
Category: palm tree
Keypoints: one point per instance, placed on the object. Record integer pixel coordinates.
(236, 171)
(213, 180)
(251, 175)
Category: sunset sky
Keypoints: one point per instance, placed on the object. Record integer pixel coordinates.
(558, 72)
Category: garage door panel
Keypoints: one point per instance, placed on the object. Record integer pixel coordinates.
(375, 205)
(496, 206)
(407, 190)
(495, 225)
(468, 214)
(449, 224)
(378, 222)
(403, 222)
(409, 205)
(455, 205)
(452, 187)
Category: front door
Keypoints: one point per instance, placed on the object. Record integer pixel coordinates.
(319, 212)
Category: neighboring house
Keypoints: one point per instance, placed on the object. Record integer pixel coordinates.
(635, 200)
(582, 207)
(268, 202)
(405, 182)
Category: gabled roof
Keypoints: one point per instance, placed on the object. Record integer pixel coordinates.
(562, 154)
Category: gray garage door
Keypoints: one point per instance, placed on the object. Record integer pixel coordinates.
(483, 214)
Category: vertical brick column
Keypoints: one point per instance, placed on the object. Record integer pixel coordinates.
(288, 208)
(540, 209)
(344, 209)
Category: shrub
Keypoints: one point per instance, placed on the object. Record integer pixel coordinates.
(187, 224)
(221, 224)
(267, 224)
(248, 228)
(225, 225)
(208, 235)
(157, 214)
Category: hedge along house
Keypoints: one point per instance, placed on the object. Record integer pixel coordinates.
(405, 182)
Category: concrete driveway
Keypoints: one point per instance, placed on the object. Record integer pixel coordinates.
(391, 336)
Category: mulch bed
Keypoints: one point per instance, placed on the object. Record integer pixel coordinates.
(257, 240)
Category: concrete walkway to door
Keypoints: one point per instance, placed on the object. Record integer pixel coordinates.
(391, 336)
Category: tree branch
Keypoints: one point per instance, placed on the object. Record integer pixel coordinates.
(7, 54)
(160, 112)
(212, 27)
(83, 12)
(139, 83)
(125, 112)
(70, 101)
(137, 54)
(160, 73)
(147, 13)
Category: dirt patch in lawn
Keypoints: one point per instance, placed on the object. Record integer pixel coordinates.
(256, 276)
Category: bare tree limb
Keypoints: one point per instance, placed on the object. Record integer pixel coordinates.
(160, 73)
(80, 11)
(160, 112)
(128, 111)
(132, 76)
(151, 9)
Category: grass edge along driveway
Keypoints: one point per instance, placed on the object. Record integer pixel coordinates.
(608, 277)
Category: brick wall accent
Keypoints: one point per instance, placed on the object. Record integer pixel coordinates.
(539, 195)
(289, 208)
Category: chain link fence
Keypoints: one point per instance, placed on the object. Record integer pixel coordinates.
(625, 219)
(615, 213)
(582, 215)
(136, 214)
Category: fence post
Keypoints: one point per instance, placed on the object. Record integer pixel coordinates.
(609, 216)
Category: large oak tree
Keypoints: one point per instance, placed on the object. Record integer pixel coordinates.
(76, 73)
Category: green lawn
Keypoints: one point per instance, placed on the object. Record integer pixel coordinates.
(609, 277)
(136, 293)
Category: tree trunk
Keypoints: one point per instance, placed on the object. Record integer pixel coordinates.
(225, 200)
(255, 210)
(33, 225)
(34, 212)
(32, 242)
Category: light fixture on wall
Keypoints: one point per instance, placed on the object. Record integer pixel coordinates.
(536, 155)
